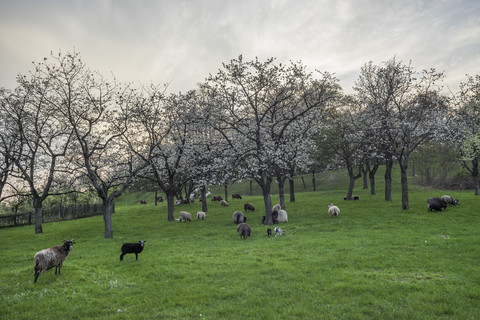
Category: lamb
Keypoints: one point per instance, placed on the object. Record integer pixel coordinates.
(238, 217)
(200, 215)
(269, 232)
(248, 207)
(278, 231)
(276, 207)
(236, 196)
(333, 210)
(143, 202)
(52, 257)
(132, 248)
(436, 204)
(224, 203)
(450, 200)
(244, 230)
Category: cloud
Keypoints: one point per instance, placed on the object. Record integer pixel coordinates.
(183, 41)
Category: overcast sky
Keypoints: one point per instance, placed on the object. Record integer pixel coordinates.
(182, 41)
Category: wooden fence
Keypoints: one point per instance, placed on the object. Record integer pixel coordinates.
(52, 214)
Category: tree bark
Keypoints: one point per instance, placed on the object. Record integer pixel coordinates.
(475, 175)
(281, 192)
(388, 178)
(403, 172)
(313, 180)
(267, 200)
(225, 186)
(203, 191)
(291, 183)
(107, 217)
(170, 206)
(365, 176)
(38, 218)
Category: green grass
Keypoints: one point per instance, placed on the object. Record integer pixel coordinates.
(374, 261)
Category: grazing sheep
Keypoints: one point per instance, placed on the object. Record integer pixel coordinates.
(276, 207)
(238, 217)
(333, 210)
(354, 198)
(184, 216)
(282, 216)
(248, 207)
(236, 196)
(450, 200)
(160, 199)
(143, 202)
(269, 232)
(178, 202)
(224, 203)
(244, 230)
(436, 204)
(52, 257)
(200, 215)
(132, 248)
(217, 198)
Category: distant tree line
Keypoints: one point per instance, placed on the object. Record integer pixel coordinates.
(66, 129)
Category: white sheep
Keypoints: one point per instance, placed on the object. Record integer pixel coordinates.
(184, 216)
(282, 216)
(276, 207)
(333, 210)
(200, 215)
(224, 203)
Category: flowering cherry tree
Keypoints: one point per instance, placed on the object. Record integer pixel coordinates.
(407, 108)
(467, 126)
(258, 102)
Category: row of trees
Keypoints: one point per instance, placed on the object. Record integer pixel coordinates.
(67, 129)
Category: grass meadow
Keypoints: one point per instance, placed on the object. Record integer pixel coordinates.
(374, 261)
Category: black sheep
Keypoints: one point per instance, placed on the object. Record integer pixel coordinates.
(236, 196)
(436, 204)
(269, 232)
(132, 248)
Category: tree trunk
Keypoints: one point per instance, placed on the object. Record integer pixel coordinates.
(203, 191)
(37, 206)
(225, 186)
(107, 217)
(313, 180)
(371, 175)
(388, 178)
(403, 171)
(351, 185)
(267, 200)
(304, 185)
(365, 176)
(170, 206)
(251, 187)
(156, 197)
(281, 191)
(475, 175)
(372, 183)
(292, 189)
